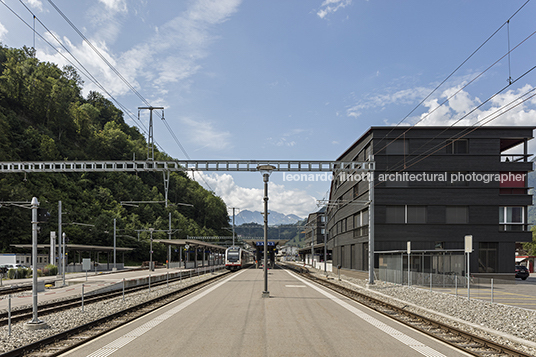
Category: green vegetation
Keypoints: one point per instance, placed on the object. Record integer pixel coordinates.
(294, 233)
(43, 116)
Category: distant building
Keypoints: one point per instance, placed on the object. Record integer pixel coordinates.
(23, 259)
(433, 186)
(315, 232)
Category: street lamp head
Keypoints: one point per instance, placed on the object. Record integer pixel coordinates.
(266, 170)
(35, 202)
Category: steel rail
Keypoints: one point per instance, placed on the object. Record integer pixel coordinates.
(62, 342)
(89, 298)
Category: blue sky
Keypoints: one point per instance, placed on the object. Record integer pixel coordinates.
(290, 80)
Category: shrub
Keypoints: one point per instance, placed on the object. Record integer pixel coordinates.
(50, 269)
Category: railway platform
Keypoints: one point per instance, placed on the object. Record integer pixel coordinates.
(93, 283)
(231, 318)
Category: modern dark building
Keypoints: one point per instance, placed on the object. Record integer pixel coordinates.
(315, 230)
(434, 186)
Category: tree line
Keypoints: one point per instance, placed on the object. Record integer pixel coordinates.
(44, 116)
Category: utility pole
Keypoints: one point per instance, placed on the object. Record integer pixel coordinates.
(115, 267)
(60, 235)
(233, 225)
(169, 246)
(150, 139)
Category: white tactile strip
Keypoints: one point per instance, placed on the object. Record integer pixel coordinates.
(400, 336)
(137, 332)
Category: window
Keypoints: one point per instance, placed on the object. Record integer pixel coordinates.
(395, 214)
(405, 214)
(512, 218)
(364, 218)
(357, 220)
(397, 147)
(457, 214)
(416, 214)
(460, 146)
(487, 257)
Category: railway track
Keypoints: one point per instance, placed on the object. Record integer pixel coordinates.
(467, 342)
(26, 313)
(60, 343)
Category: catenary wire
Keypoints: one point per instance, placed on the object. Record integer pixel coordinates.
(130, 86)
(455, 70)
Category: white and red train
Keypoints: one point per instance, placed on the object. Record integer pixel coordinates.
(237, 258)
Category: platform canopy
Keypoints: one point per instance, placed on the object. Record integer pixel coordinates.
(307, 250)
(259, 242)
(190, 242)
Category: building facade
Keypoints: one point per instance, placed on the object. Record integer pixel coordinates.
(432, 187)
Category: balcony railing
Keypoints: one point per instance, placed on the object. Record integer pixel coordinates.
(514, 157)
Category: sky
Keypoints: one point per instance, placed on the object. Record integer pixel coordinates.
(288, 80)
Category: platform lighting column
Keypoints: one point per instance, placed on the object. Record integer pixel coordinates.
(265, 170)
(325, 242)
(371, 223)
(151, 250)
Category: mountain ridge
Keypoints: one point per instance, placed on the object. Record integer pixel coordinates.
(274, 218)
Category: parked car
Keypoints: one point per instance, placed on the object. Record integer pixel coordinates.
(522, 272)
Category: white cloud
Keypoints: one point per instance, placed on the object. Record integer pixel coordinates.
(501, 110)
(286, 138)
(3, 31)
(398, 97)
(36, 4)
(281, 199)
(171, 55)
(331, 6)
(204, 135)
(115, 5)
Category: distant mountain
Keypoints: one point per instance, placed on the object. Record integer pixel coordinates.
(274, 218)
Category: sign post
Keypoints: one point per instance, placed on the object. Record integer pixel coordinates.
(409, 262)
(468, 250)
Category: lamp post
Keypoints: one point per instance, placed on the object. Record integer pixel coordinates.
(265, 170)
(151, 250)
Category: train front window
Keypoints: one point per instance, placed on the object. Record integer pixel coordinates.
(233, 255)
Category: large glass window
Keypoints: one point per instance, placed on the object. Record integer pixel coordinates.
(405, 214)
(416, 214)
(395, 214)
(397, 147)
(487, 257)
(457, 214)
(512, 218)
(460, 146)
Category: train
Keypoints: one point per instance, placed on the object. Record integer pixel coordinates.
(237, 258)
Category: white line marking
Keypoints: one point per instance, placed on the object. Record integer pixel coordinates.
(405, 339)
(132, 335)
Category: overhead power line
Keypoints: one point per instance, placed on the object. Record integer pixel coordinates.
(453, 72)
(111, 66)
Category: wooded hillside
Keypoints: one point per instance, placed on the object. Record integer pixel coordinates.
(43, 116)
